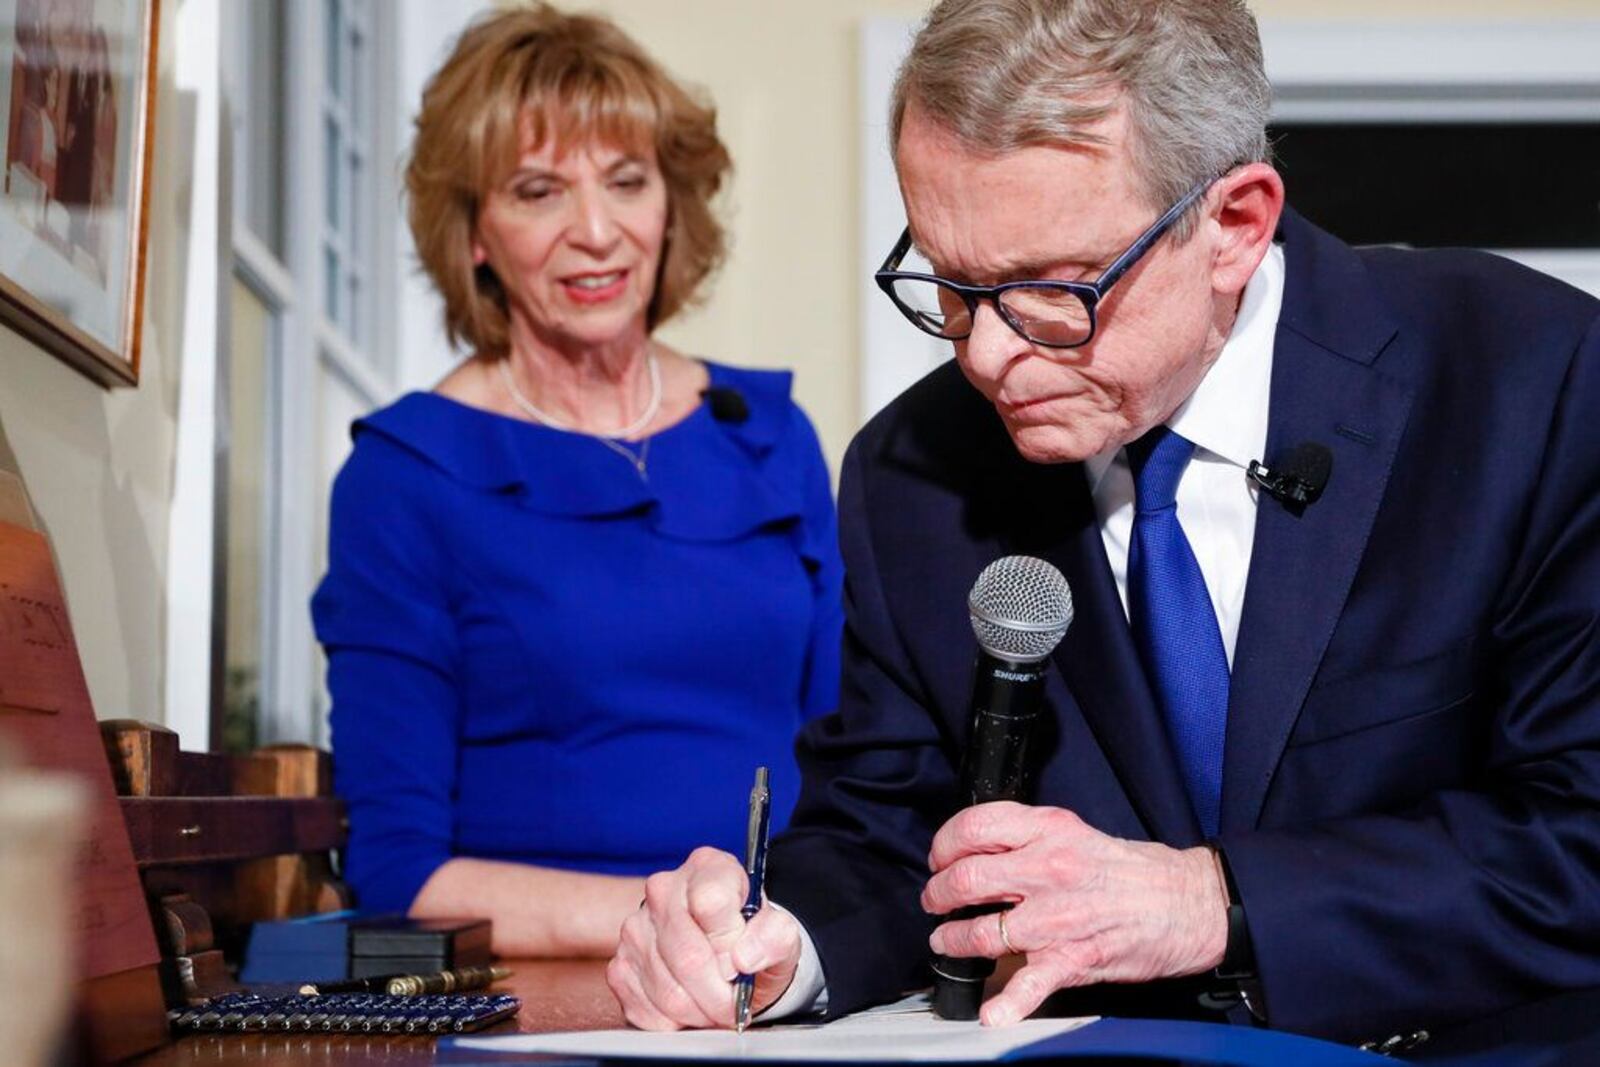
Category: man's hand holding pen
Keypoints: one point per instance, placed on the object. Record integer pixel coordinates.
(682, 949)
(755, 872)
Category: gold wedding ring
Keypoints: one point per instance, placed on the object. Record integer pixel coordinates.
(1004, 939)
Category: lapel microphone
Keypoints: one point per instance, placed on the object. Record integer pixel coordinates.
(1296, 480)
(727, 403)
(1020, 608)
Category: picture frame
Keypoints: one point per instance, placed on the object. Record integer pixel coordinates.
(77, 111)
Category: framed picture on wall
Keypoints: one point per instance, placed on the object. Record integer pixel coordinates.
(76, 111)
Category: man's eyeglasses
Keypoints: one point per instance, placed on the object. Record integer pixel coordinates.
(1056, 314)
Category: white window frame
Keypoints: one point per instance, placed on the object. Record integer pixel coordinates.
(409, 39)
(306, 349)
(192, 657)
(313, 345)
(1433, 70)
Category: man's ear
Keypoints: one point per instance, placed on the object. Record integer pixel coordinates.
(1249, 201)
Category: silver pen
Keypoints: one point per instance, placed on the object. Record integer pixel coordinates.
(755, 869)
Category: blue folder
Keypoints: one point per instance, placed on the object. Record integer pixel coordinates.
(1196, 1043)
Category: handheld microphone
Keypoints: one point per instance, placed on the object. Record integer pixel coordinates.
(1020, 609)
(1298, 479)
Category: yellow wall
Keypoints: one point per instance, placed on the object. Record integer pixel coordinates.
(98, 463)
(783, 77)
(783, 74)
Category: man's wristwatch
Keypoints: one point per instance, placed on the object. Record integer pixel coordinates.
(1236, 975)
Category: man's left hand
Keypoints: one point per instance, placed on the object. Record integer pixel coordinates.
(1089, 908)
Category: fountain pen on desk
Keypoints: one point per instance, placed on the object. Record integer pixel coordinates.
(755, 868)
(413, 985)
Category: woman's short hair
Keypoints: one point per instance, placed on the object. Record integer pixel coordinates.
(1006, 74)
(533, 73)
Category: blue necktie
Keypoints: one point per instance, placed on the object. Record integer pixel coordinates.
(1173, 624)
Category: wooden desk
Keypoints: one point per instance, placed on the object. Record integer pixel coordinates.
(556, 995)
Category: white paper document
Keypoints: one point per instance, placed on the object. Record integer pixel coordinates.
(902, 1032)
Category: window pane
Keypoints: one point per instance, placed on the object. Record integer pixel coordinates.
(357, 320)
(333, 48)
(332, 166)
(355, 183)
(259, 130)
(330, 283)
(252, 329)
(358, 74)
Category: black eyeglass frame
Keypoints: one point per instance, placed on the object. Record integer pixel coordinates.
(1089, 293)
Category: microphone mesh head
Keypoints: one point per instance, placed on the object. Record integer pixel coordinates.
(1020, 608)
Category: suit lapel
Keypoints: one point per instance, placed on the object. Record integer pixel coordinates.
(1097, 658)
(1301, 569)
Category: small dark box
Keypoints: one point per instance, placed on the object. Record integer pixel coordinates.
(396, 945)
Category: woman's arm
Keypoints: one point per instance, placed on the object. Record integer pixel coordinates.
(383, 616)
(537, 911)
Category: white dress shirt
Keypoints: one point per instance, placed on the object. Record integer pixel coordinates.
(1226, 418)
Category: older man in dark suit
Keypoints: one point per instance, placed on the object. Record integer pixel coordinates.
(1338, 766)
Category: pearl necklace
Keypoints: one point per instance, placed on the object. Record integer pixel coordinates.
(613, 439)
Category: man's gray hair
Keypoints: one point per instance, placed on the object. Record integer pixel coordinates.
(1000, 75)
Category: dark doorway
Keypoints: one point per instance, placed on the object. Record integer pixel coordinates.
(1478, 185)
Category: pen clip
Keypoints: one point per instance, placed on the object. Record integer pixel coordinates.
(755, 851)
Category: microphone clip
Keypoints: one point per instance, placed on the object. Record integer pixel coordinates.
(1289, 488)
(1298, 481)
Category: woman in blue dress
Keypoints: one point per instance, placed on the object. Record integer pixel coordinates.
(580, 590)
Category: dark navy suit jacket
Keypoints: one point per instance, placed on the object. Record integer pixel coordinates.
(1411, 792)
